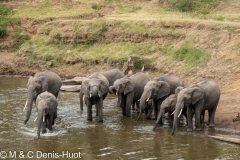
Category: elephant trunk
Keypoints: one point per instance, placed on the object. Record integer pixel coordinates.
(112, 90)
(177, 113)
(94, 92)
(143, 100)
(29, 108)
(40, 120)
(161, 112)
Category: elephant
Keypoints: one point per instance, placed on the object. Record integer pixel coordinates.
(95, 89)
(130, 89)
(111, 75)
(41, 82)
(158, 89)
(46, 105)
(197, 98)
(168, 106)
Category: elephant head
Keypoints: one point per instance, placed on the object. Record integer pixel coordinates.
(186, 97)
(122, 86)
(153, 90)
(35, 86)
(94, 87)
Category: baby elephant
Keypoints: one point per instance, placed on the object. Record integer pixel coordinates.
(47, 111)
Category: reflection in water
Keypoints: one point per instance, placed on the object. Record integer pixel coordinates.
(118, 137)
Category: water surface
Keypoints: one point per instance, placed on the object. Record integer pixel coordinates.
(117, 138)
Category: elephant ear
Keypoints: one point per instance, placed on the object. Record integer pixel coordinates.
(129, 86)
(197, 94)
(103, 88)
(44, 83)
(85, 88)
(173, 100)
(163, 89)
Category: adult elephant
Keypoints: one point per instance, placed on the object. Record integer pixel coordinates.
(41, 82)
(158, 90)
(168, 106)
(197, 98)
(111, 75)
(95, 89)
(46, 105)
(130, 89)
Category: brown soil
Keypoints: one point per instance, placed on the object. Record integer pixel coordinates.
(224, 72)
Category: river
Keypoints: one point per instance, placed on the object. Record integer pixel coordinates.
(117, 138)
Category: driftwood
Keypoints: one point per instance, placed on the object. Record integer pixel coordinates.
(226, 139)
(74, 81)
(71, 88)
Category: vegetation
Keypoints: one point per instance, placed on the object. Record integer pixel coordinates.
(4, 19)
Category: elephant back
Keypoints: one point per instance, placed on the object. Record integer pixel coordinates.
(112, 75)
(139, 79)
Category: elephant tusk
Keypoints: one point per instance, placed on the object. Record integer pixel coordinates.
(43, 118)
(116, 93)
(25, 105)
(99, 95)
(90, 95)
(180, 113)
(35, 119)
(147, 100)
(173, 112)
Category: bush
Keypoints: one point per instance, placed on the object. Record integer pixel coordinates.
(190, 54)
(3, 31)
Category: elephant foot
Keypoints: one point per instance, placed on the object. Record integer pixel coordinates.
(44, 131)
(198, 128)
(100, 121)
(211, 125)
(189, 130)
(89, 119)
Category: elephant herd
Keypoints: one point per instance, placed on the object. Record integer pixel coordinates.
(161, 95)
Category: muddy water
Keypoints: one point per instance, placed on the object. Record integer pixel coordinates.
(117, 138)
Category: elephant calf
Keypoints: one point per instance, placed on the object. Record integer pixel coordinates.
(47, 111)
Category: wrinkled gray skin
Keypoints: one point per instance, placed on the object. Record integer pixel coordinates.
(197, 98)
(112, 75)
(168, 106)
(46, 105)
(41, 82)
(95, 89)
(158, 90)
(130, 88)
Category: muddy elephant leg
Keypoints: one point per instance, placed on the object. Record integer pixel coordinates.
(133, 105)
(89, 109)
(119, 101)
(189, 117)
(123, 105)
(81, 100)
(50, 122)
(129, 101)
(155, 109)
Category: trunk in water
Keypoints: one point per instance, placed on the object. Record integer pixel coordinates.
(111, 90)
(175, 121)
(29, 108)
(40, 120)
(145, 96)
(159, 118)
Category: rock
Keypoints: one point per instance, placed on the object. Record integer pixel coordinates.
(74, 81)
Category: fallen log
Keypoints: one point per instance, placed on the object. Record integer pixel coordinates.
(227, 139)
(74, 81)
(71, 88)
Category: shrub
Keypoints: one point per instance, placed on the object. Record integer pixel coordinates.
(3, 31)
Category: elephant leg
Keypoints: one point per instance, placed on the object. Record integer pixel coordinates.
(81, 100)
(189, 118)
(89, 110)
(171, 120)
(123, 105)
(137, 106)
(50, 122)
(129, 101)
(211, 116)
(44, 126)
(155, 109)
(198, 112)
(133, 105)
(99, 105)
